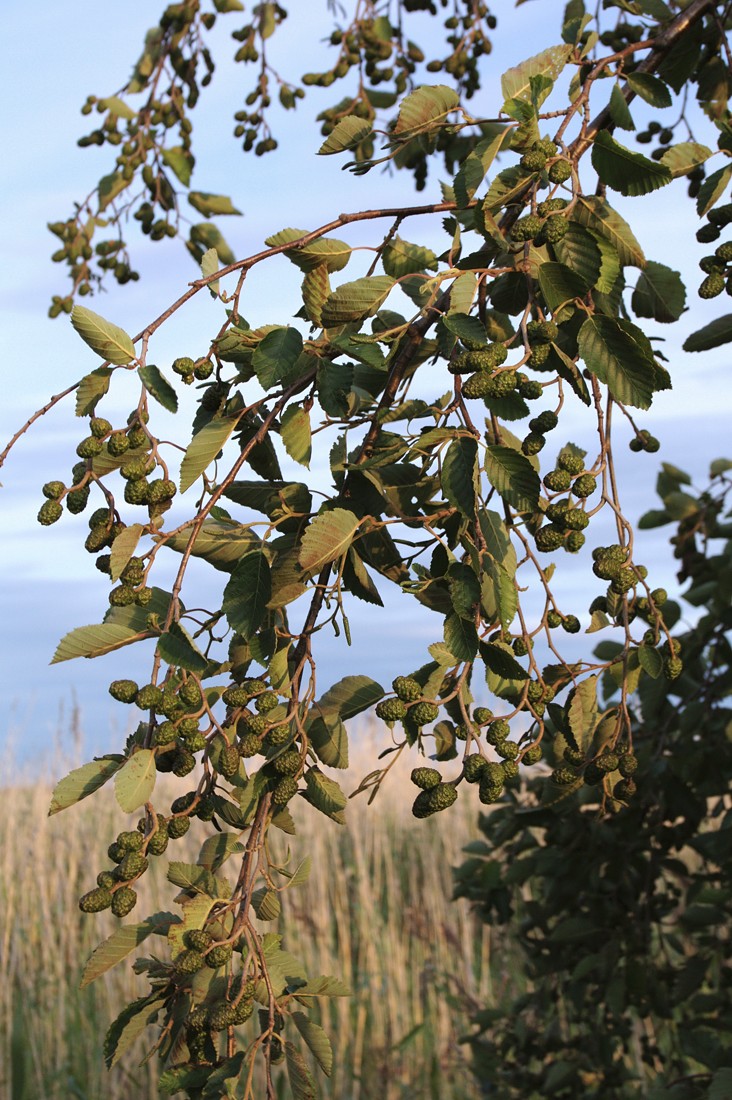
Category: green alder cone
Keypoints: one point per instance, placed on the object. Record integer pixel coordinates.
(52, 490)
(50, 512)
(228, 763)
(178, 827)
(96, 900)
(197, 939)
(407, 689)
(423, 713)
(391, 710)
(284, 791)
(287, 764)
(218, 956)
(473, 768)
(124, 901)
(426, 778)
(189, 962)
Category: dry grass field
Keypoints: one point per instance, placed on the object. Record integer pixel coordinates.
(376, 911)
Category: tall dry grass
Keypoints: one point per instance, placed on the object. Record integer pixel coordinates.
(375, 911)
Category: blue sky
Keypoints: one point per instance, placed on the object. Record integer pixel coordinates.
(47, 584)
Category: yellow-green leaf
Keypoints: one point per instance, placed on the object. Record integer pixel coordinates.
(135, 781)
(80, 783)
(327, 538)
(107, 340)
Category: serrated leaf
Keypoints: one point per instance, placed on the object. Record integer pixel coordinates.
(561, 286)
(211, 205)
(93, 641)
(465, 327)
(123, 941)
(275, 356)
(177, 1078)
(135, 781)
(358, 581)
(191, 876)
(346, 134)
(80, 783)
(650, 660)
(499, 659)
(659, 293)
(329, 741)
(507, 185)
(712, 189)
(123, 548)
(220, 543)
(513, 476)
(683, 158)
(205, 236)
(107, 340)
(619, 111)
(266, 904)
(247, 594)
(350, 696)
(177, 648)
(91, 389)
(650, 88)
(425, 107)
(579, 250)
(333, 253)
(598, 621)
(296, 434)
(460, 474)
(324, 986)
(129, 1025)
(217, 848)
(597, 214)
(624, 171)
(474, 167)
(614, 353)
(325, 795)
(498, 593)
(301, 1081)
(203, 448)
(316, 1039)
(316, 290)
(209, 267)
(516, 82)
(582, 712)
(356, 300)
(713, 335)
(180, 162)
(158, 385)
(327, 538)
(399, 258)
(461, 638)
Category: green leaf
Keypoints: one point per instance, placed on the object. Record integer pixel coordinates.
(624, 171)
(81, 782)
(325, 795)
(659, 293)
(117, 107)
(203, 448)
(222, 1081)
(474, 167)
(135, 781)
(346, 134)
(324, 986)
(209, 266)
(123, 548)
(217, 848)
(651, 660)
(461, 638)
(580, 251)
(350, 696)
(275, 356)
(597, 214)
(301, 1081)
(333, 253)
(499, 659)
(712, 189)
(177, 648)
(402, 258)
(498, 593)
(211, 205)
(507, 185)
(107, 340)
(356, 300)
(316, 1039)
(465, 327)
(266, 904)
(560, 285)
(205, 236)
(296, 434)
(582, 712)
(650, 88)
(93, 641)
(618, 108)
(328, 738)
(191, 876)
(513, 476)
(180, 162)
(424, 108)
(120, 944)
(219, 542)
(177, 1078)
(516, 82)
(129, 1025)
(247, 594)
(460, 474)
(91, 389)
(683, 158)
(613, 352)
(158, 385)
(713, 335)
(327, 538)
(109, 187)
(316, 290)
